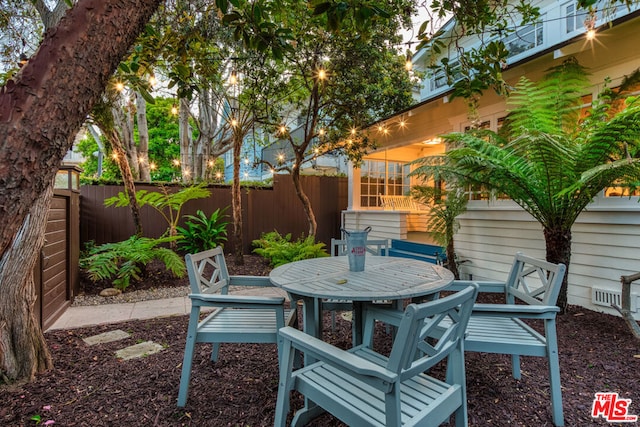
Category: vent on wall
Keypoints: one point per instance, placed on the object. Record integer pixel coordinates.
(608, 297)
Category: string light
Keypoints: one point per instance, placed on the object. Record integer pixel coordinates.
(176, 162)
(152, 80)
(283, 129)
(115, 156)
(590, 25)
(152, 166)
(281, 157)
(246, 160)
(218, 175)
(234, 122)
(119, 86)
(174, 110)
(233, 78)
(408, 64)
(211, 163)
(321, 132)
(322, 74)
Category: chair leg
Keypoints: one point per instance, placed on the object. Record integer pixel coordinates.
(288, 354)
(187, 360)
(554, 374)
(515, 366)
(214, 351)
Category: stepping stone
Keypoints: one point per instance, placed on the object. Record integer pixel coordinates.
(106, 337)
(139, 350)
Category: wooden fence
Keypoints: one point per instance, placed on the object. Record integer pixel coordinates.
(264, 209)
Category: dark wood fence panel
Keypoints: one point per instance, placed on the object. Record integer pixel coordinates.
(56, 272)
(264, 209)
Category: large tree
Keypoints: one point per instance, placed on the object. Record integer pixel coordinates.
(550, 157)
(321, 89)
(41, 110)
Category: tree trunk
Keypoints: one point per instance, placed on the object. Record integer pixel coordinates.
(558, 242)
(23, 350)
(185, 141)
(306, 204)
(127, 180)
(451, 259)
(143, 139)
(236, 198)
(41, 110)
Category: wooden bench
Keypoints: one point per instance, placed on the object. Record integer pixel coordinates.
(400, 203)
(500, 328)
(365, 388)
(235, 318)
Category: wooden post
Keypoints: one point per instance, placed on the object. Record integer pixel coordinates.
(625, 310)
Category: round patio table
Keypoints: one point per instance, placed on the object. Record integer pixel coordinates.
(384, 278)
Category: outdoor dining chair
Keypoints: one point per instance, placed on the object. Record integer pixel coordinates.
(234, 318)
(362, 387)
(504, 329)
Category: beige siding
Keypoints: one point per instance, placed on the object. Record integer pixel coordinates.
(605, 246)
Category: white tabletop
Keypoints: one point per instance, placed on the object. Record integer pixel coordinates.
(383, 278)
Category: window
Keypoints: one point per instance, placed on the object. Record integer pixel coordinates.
(380, 177)
(571, 18)
(524, 39)
(440, 79)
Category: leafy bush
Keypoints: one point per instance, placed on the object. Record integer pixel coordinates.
(202, 233)
(124, 260)
(281, 250)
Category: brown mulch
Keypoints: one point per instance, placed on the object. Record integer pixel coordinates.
(89, 386)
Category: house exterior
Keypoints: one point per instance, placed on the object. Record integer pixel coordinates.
(256, 158)
(606, 237)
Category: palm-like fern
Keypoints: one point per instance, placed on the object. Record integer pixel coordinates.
(549, 157)
(169, 205)
(123, 261)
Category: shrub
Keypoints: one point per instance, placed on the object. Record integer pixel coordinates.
(202, 232)
(122, 262)
(281, 250)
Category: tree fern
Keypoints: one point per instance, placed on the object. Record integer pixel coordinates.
(548, 157)
(122, 262)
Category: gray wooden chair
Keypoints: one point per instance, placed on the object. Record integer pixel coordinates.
(378, 247)
(362, 387)
(234, 318)
(500, 328)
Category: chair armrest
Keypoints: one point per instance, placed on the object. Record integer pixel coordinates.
(250, 281)
(328, 353)
(516, 310)
(234, 300)
(485, 286)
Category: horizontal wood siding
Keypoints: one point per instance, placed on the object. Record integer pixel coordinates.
(264, 209)
(384, 224)
(604, 247)
(54, 274)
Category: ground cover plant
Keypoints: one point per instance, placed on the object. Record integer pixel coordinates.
(89, 386)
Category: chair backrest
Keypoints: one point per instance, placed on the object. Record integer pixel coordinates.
(208, 272)
(414, 348)
(373, 246)
(534, 281)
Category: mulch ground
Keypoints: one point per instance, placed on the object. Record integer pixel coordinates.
(89, 386)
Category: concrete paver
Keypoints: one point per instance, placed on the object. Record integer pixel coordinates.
(142, 349)
(105, 337)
